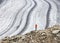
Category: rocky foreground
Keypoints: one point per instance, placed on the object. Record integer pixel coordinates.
(50, 35)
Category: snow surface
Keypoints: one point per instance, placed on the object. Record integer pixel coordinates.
(20, 16)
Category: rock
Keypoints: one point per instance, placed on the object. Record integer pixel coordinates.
(50, 35)
(55, 31)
